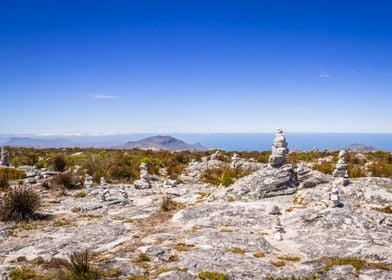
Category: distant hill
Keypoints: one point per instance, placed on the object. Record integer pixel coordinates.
(361, 148)
(27, 142)
(163, 143)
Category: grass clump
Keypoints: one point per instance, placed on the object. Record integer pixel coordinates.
(168, 204)
(138, 277)
(25, 273)
(80, 194)
(79, 267)
(18, 204)
(259, 255)
(278, 263)
(290, 258)
(142, 257)
(182, 247)
(236, 251)
(386, 209)
(210, 275)
(357, 263)
(226, 230)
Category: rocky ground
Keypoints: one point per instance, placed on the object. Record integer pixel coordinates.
(275, 222)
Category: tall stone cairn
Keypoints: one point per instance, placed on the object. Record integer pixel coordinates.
(279, 150)
(340, 171)
(5, 159)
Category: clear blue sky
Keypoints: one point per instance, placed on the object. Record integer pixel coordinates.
(195, 66)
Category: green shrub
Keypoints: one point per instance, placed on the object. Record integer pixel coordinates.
(223, 175)
(19, 203)
(12, 173)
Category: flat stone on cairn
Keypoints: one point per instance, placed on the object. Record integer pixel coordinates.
(341, 168)
(5, 160)
(279, 150)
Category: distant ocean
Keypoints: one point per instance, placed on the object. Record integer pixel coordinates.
(240, 141)
(297, 141)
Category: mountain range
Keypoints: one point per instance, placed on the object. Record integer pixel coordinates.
(150, 143)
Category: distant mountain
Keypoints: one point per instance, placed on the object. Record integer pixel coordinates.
(163, 143)
(27, 142)
(361, 148)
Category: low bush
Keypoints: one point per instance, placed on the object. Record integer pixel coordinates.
(223, 175)
(12, 173)
(59, 163)
(3, 182)
(19, 203)
(66, 180)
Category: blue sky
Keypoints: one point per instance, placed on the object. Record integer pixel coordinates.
(195, 66)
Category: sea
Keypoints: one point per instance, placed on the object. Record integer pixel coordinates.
(297, 141)
(237, 141)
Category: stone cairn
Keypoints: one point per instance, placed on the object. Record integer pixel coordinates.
(334, 199)
(279, 150)
(144, 182)
(88, 181)
(5, 159)
(275, 210)
(340, 171)
(103, 182)
(104, 193)
(235, 161)
(278, 229)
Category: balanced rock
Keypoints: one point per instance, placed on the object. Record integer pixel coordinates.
(279, 150)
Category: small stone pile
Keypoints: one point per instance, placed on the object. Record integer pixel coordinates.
(279, 150)
(235, 161)
(5, 159)
(334, 199)
(144, 182)
(88, 181)
(278, 229)
(103, 182)
(275, 210)
(341, 168)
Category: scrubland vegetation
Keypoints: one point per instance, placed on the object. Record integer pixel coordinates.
(123, 165)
